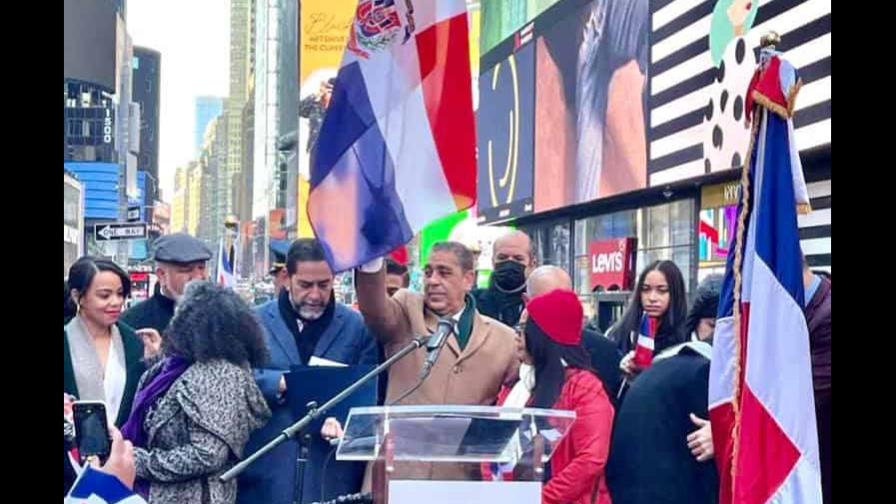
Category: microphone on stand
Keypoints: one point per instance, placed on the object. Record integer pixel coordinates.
(445, 328)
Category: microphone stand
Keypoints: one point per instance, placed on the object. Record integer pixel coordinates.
(428, 365)
(315, 412)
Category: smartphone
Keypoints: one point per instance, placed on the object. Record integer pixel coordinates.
(92, 436)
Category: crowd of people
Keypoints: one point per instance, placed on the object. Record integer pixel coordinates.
(194, 378)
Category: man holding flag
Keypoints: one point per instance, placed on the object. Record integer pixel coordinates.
(397, 150)
(760, 392)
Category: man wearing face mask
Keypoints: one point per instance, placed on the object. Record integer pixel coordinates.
(304, 326)
(513, 262)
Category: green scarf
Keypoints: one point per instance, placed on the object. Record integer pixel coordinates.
(465, 324)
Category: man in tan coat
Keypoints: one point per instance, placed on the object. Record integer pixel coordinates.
(476, 360)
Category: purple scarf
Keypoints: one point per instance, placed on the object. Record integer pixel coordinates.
(133, 429)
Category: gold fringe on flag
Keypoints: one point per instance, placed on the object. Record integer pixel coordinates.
(738, 285)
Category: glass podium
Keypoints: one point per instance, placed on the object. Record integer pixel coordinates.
(449, 454)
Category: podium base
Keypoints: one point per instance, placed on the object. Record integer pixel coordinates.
(468, 492)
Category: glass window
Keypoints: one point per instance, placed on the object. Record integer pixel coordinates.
(582, 274)
(682, 218)
(682, 258)
(551, 243)
(671, 236)
(658, 233)
(581, 238)
(664, 232)
(622, 224)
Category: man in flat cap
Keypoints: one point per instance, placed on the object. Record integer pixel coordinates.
(180, 259)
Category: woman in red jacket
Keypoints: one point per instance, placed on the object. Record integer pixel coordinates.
(556, 373)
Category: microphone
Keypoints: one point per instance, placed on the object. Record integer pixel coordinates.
(436, 343)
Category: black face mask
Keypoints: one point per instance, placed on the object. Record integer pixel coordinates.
(510, 275)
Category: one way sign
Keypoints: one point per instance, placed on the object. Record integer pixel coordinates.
(120, 231)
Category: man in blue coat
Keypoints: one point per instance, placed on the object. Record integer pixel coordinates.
(304, 326)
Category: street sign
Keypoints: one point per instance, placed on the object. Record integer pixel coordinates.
(134, 214)
(120, 231)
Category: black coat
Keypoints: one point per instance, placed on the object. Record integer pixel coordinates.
(501, 306)
(155, 313)
(818, 317)
(605, 360)
(650, 461)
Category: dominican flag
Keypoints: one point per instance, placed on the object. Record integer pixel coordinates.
(760, 393)
(97, 487)
(645, 343)
(397, 148)
(225, 265)
(500, 472)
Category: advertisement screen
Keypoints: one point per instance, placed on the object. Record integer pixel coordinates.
(501, 18)
(702, 60)
(590, 139)
(324, 29)
(506, 137)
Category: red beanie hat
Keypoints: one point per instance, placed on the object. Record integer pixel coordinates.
(558, 314)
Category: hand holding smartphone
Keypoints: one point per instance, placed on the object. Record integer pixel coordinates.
(92, 438)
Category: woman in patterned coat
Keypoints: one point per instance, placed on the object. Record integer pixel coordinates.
(196, 408)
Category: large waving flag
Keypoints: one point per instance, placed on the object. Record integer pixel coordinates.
(397, 148)
(760, 392)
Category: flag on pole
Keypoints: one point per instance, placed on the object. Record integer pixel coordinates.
(225, 266)
(760, 392)
(645, 342)
(397, 148)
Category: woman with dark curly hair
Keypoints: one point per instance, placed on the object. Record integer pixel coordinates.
(196, 408)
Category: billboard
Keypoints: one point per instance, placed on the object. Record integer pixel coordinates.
(506, 137)
(277, 223)
(324, 27)
(590, 111)
(702, 59)
(101, 189)
(613, 264)
(89, 34)
(501, 18)
(161, 217)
